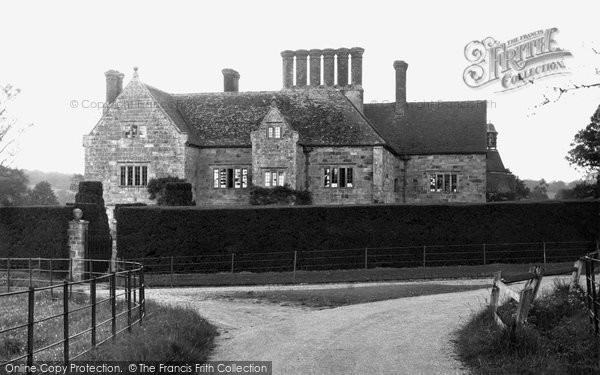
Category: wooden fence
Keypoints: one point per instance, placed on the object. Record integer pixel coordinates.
(526, 295)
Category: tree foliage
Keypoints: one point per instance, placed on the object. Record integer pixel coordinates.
(157, 188)
(10, 128)
(42, 195)
(13, 187)
(582, 190)
(540, 191)
(586, 149)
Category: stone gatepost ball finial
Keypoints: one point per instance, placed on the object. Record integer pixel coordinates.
(77, 214)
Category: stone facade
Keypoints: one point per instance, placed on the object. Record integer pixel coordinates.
(134, 131)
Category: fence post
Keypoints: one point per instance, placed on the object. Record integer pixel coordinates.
(134, 290)
(66, 322)
(30, 321)
(484, 260)
(544, 244)
(366, 258)
(90, 269)
(93, 302)
(128, 300)
(51, 282)
(8, 275)
(142, 310)
(424, 255)
(171, 271)
(232, 261)
(30, 272)
(113, 303)
(524, 304)
(295, 263)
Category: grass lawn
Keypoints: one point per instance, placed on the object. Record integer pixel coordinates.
(330, 298)
(167, 327)
(558, 338)
(340, 276)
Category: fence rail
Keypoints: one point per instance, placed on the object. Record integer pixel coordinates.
(47, 316)
(365, 258)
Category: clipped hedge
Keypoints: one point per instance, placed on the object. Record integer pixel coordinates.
(178, 231)
(177, 194)
(40, 231)
(279, 195)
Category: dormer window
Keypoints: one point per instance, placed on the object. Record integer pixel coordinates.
(274, 132)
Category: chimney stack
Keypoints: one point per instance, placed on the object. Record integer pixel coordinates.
(231, 79)
(301, 65)
(288, 68)
(329, 67)
(342, 66)
(400, 67)
(114, 86)
(315, 66)
(356, 73)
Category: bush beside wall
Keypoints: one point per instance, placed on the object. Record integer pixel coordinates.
(179, 231)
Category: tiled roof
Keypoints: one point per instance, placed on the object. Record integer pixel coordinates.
(432, 127)
(321, 116)
(494, 162)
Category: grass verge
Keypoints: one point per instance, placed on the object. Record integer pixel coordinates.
(340, 276)
(170, 334)
(558, 338)
(330, 298)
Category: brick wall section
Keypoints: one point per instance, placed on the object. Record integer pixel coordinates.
(471, 170)
(106, 147)
(279, 154)
(358, 158)
(199, 171)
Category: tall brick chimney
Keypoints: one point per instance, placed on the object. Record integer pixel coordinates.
(400, 67)
(342, 66)
(329, 67)
(356, 59)
(301, 65)
(288, 68)
(231, 79)
(315, 66)
(114, 85)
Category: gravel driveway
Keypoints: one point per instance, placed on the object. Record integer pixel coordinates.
(402, 336)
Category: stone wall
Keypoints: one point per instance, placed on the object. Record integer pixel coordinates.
(358, 158)
(470, 168)
(199, 171)
(107, 147)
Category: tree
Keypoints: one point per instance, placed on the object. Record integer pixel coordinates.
(42, 195)
(13, 186)
(586, 149)
(10, 128)
(582, 190)
(540, 192)
(521, 190)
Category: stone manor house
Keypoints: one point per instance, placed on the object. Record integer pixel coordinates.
(315, 133)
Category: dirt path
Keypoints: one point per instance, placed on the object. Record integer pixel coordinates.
(403, 336)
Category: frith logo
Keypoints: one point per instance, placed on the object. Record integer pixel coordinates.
(514, 63)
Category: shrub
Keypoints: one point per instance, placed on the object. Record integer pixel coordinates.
(281, 195)
(156, 187)
(177, 194)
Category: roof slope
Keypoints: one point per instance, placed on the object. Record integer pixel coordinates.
(321, 116)
(432, 127)
(494, 162)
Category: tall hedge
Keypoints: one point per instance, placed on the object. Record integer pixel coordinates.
(178, 231)
(39, 231)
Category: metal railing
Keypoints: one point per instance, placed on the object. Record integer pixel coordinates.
(168, 268)
(592, 265)
(45, 316)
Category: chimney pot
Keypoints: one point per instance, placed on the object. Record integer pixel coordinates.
(400, 67)
(329, 67)
(288, 68)
(231, 79)
(315, 66)
(356, 72)
(301, 65)
(342, 66)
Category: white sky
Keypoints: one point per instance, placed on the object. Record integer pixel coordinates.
(57, 52)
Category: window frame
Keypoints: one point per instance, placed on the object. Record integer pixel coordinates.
(274, 132)
(443, 182)
(274, 177)
(338, 177)
(227, 177)
(133, 175)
